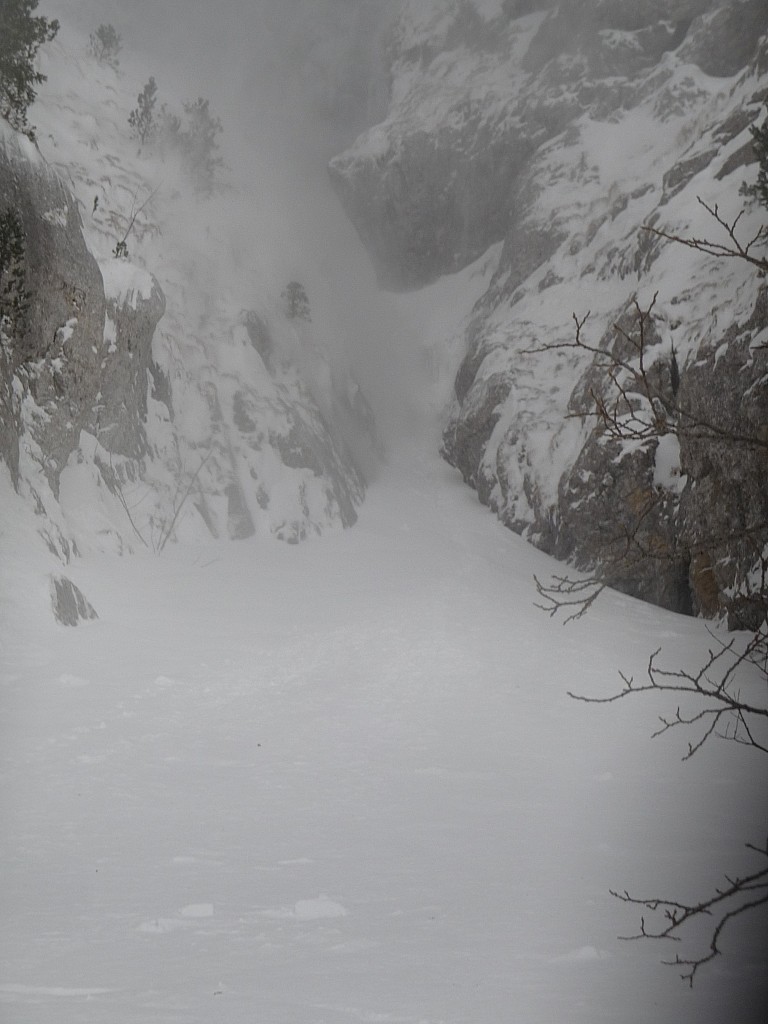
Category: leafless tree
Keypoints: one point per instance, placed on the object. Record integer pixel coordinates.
(726, 697)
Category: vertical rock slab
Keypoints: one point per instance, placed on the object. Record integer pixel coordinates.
(51, 369)
(135, 306)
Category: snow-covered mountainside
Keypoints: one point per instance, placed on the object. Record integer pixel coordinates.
(172, 391)
(342, 781)
(560, 130)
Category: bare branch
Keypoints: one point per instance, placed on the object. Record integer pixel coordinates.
(723, 906)
(121, 248)
(726, 695)
(733, 249)
(563, 592)
(117, 489)
(167, 533)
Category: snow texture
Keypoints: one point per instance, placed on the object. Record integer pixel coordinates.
(344, 782)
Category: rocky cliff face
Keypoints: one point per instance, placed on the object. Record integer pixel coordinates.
(51, 361)
(478, 89)
(62, 375)
(561, 129)
(138, 409)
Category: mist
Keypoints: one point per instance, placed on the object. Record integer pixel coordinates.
(293, 82)
(315, 759)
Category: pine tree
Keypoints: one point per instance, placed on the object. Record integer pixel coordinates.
(199, 143)
(21, 36)
(142, 118)
(105, 45)
(296, 303)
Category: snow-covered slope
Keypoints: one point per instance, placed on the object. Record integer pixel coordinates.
(342, 782)
(204, 409)
(562, 129)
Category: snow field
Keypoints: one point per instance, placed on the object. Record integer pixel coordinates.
(344, 782)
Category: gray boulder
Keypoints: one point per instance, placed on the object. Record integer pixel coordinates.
(69, 604)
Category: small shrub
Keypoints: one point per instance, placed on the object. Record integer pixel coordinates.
(105, 44)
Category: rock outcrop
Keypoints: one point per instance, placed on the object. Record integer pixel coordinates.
(51, 364)
(70, 606)
(135, 409)
(564, 129)
(135, 304)
(723, 510)
(435, 184)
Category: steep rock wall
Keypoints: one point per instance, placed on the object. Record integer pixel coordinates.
(135, 409)
(80, 362)
(433, 186)
(605, 117)
(53, 361)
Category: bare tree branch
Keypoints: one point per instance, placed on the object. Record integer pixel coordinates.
(733, 249)
(722, 907)
(726, 696)
(168, 531)
(121, 248)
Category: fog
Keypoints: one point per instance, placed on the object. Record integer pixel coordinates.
(277, 61)
(293, 82)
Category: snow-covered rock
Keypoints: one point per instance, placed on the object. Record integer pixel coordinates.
(50, 368)
(560, 129)
(140, 405)
(70, 606)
